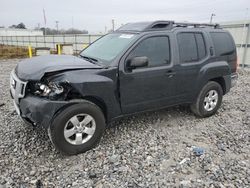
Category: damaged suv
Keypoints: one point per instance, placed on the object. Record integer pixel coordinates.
(139, 67)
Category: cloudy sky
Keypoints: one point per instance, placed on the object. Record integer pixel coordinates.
(94, 15)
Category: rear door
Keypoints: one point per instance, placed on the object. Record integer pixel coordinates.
(193, 51)
(152, 86)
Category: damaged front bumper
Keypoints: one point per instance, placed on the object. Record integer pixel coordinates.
(39, 111)
(35, 110)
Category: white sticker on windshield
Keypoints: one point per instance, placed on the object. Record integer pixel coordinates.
(126, 36)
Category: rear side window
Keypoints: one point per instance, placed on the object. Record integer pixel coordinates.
(223, 43)
(191, 47)
(155, 48)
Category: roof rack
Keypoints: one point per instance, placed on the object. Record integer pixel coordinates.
(195, 25)
(163, 25)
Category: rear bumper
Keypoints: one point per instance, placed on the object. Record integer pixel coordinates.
(234, 78)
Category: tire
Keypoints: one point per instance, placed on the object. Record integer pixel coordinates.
(72, 120)
(28, 123)
(205, 105)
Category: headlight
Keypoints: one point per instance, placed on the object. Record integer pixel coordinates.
(45, 90)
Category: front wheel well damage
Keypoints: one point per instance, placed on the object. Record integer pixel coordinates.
(99, 102)
(74, 95)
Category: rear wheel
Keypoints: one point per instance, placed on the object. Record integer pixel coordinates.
(208, 100)
(78, 128)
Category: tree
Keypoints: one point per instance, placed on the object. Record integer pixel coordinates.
(50, 31)
(19, 26)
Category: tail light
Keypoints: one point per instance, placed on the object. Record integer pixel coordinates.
(237, 63)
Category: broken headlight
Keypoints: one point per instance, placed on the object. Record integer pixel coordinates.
(47, 90)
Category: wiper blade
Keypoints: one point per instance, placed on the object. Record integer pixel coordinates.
(90, 59)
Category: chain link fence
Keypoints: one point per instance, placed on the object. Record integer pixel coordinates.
(79, 41)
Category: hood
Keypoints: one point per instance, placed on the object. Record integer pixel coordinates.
(35, 68)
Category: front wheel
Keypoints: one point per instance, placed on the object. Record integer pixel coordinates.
(78, 128)
(208, 100)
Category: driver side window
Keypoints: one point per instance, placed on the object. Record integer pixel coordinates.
(156, 49)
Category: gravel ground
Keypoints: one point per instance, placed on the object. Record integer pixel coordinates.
(147, 150)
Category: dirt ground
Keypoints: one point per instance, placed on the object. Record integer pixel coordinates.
(147, 150)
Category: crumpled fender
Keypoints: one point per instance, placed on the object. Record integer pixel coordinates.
(100, 84)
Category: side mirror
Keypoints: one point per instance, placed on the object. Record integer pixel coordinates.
(137, 62)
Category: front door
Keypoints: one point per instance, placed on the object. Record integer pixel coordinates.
(152, 86)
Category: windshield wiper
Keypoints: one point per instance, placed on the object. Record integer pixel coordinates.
(90, 59)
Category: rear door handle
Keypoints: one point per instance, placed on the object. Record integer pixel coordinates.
(211, 49)
(170, 73)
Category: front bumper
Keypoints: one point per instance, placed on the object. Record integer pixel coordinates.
(36, 110)
(39, 111)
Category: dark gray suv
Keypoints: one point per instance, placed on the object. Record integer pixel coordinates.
(139, 67)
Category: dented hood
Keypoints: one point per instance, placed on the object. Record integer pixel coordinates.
(35, 68)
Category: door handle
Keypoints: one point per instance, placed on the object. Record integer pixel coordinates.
(170, 73)
(211, 49)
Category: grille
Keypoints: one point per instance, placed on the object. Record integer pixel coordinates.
(17, 87)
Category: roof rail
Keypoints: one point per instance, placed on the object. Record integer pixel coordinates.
(162, 25)
(187, 24)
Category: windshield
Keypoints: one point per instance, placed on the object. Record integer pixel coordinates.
(108, 47)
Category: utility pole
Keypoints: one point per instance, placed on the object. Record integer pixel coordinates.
(113, 24)
(45, 21)
(211, 18)
(242, 56)
(72, 23)
(57, 28)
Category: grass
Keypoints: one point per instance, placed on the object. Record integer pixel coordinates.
(7, 52)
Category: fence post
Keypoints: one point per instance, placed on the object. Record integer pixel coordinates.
(53, 41)
(89, 40)
(29, 40)
(245, 48)
(36, 41)
(44, 40)
(75, 44)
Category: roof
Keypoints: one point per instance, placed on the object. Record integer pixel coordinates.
(162, 25)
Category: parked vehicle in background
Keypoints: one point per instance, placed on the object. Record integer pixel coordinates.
(139, 67)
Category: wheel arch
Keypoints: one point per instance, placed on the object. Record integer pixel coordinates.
(99, 102)
(221, 81)
(95, 100)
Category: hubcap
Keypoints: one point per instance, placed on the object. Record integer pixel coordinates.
(211, 100)
(79, 129)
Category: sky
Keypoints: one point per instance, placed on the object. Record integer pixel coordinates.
(95, 15)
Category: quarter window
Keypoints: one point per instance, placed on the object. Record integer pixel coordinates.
(155, 48)
(223, 43)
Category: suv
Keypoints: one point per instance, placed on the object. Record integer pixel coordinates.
(139, 67)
